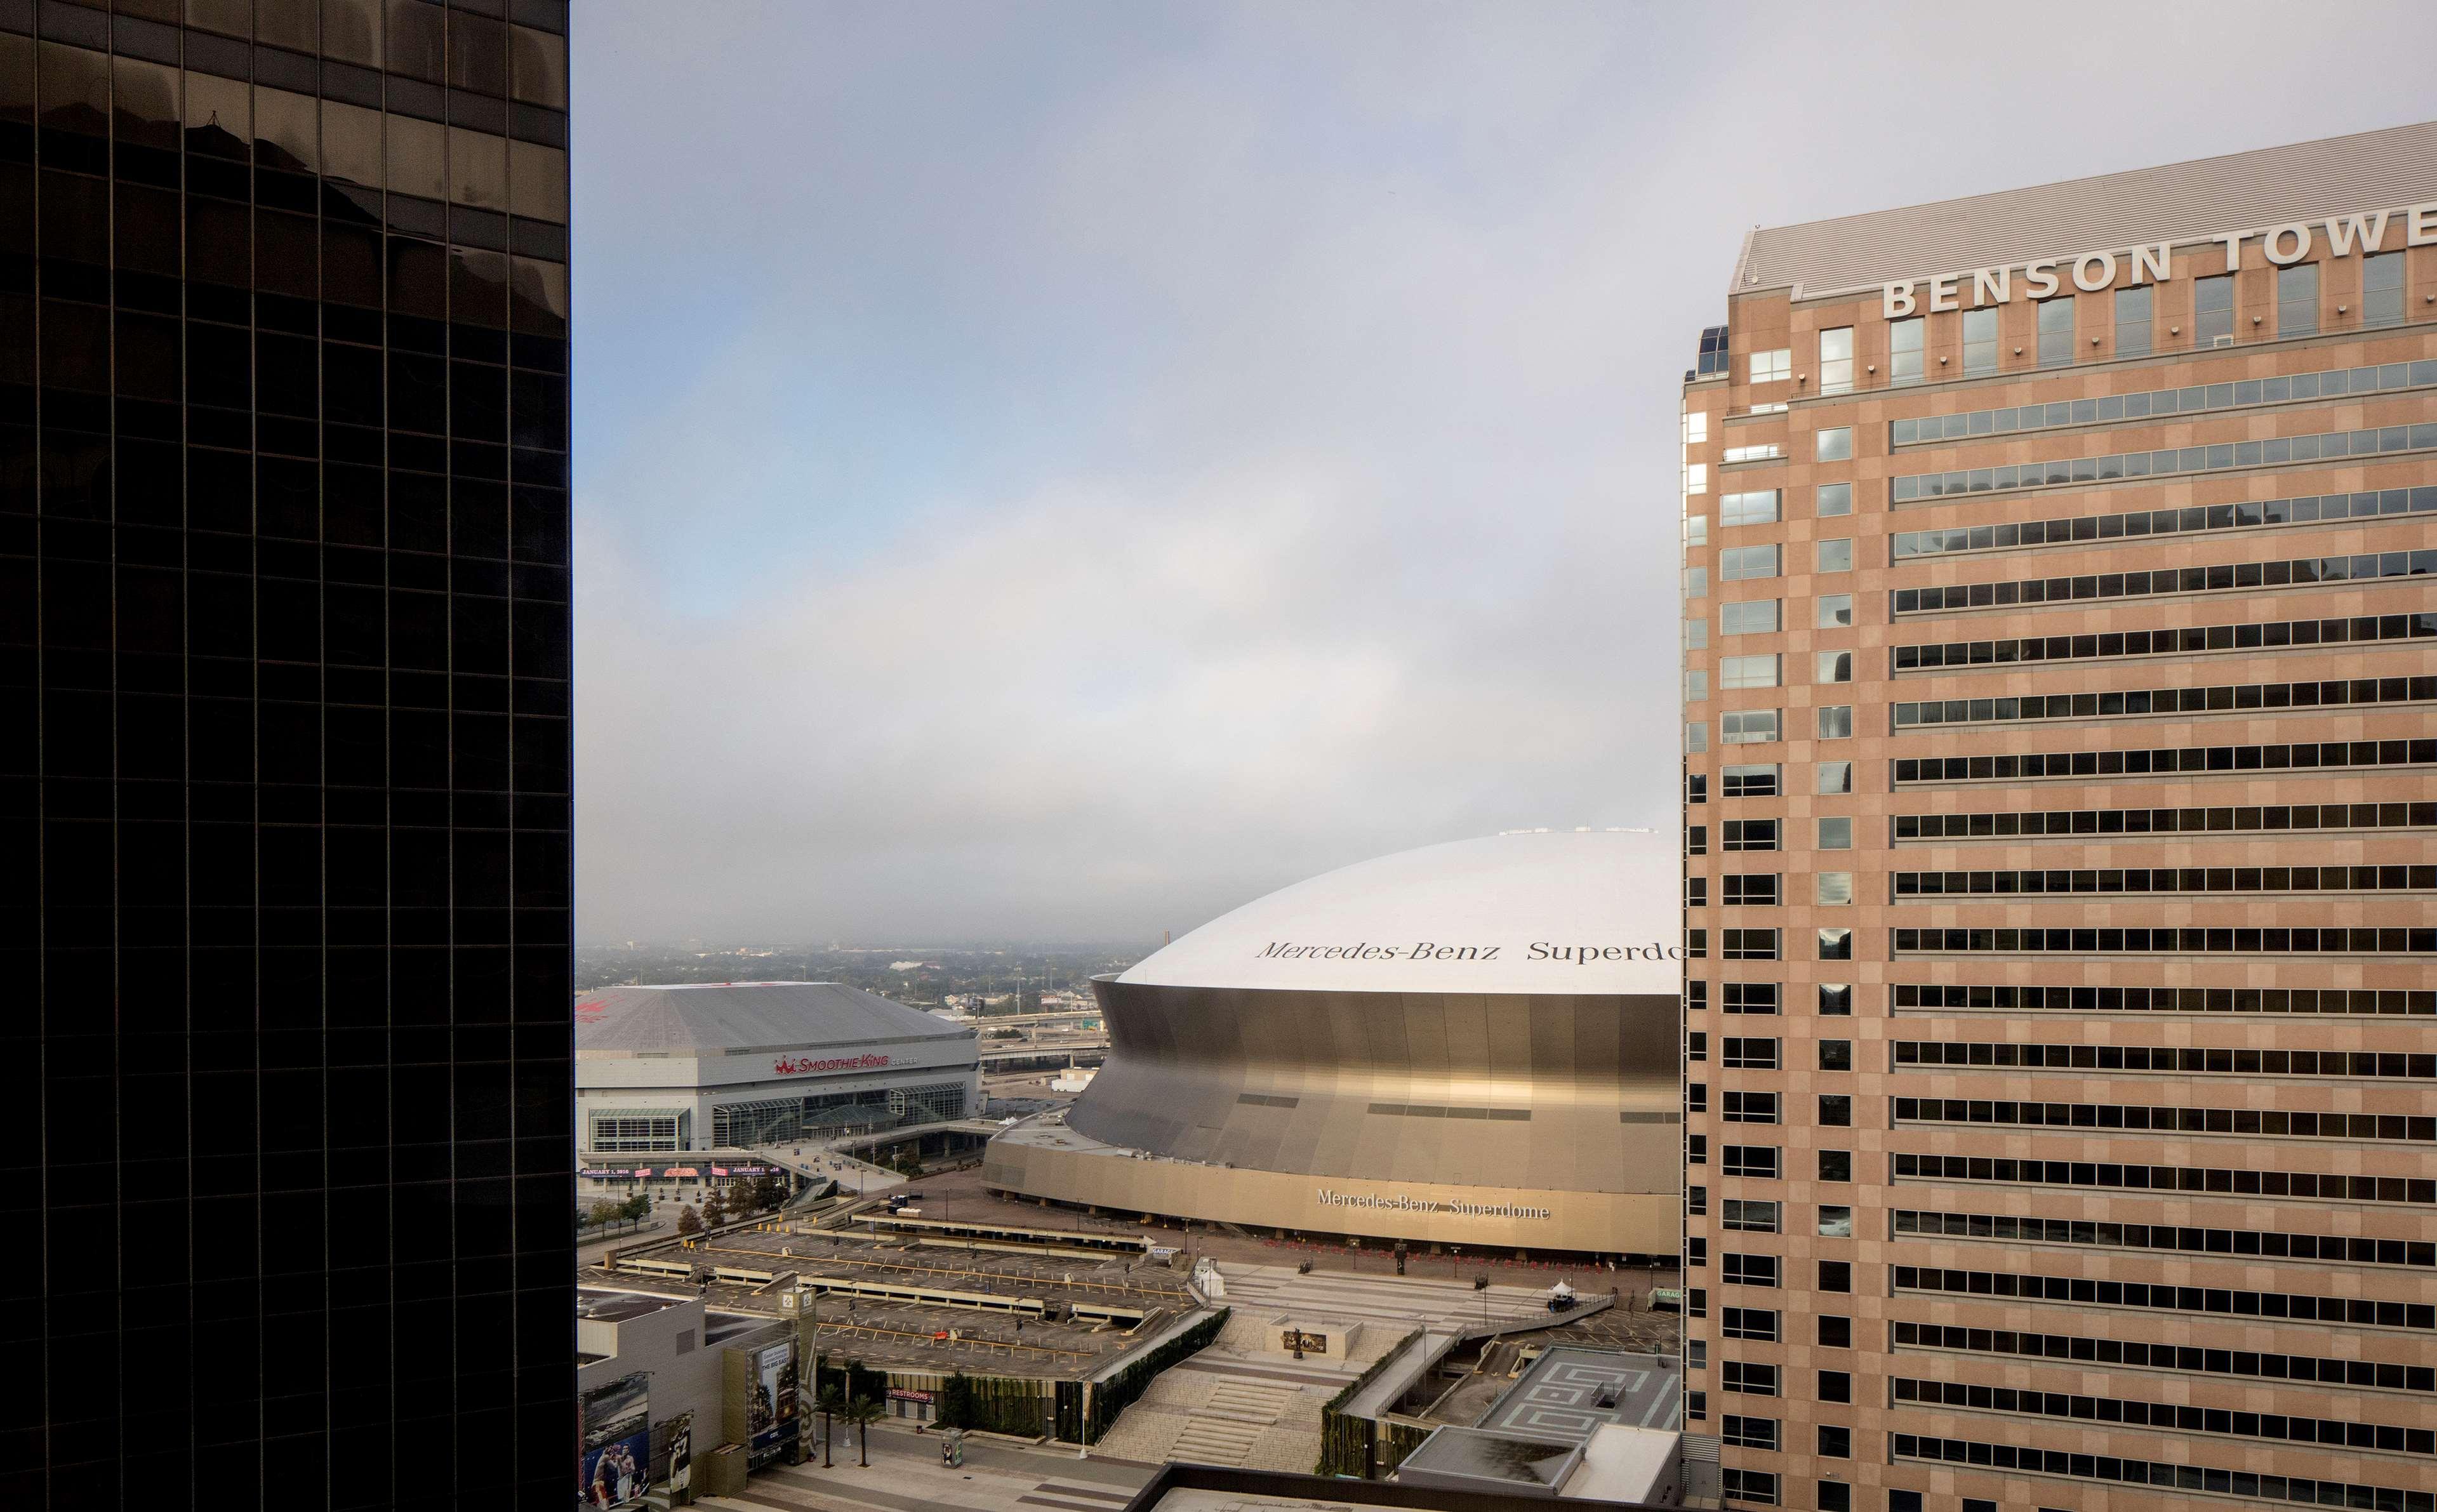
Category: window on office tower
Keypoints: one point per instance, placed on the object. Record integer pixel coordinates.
(1834, 499)
(1747, 671)
(1754, 508)
(1836, 361)
(1833, 777)
(1696, 686)
(1905, 347)
(1836, 610)
(1751, 997)
(1837, 556)
(1749, 835)
(1748, 617)
(1979, 341)
(2056, 331)
(1832, 889)
(1834, 666)
(1772, 367)
(1751, 780)
(1753, 888)
(1834, 722)
(1836, 444)
(2382, 289)
(1696, 737)
(2297, 300)
(2133, 312)
(1696, 635)
(1738, 564)
(2213, 311)
(1752, 1107)
(1749, 727)
(1750, 1432)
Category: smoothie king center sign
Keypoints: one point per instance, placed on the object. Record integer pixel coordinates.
(809, 1065)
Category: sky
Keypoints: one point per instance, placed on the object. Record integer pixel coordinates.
(1057, 471)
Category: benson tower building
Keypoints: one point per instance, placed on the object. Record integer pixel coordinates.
(2060, 652)
(283, 645)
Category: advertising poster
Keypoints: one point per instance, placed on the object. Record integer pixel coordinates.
(772, 1413)
(681, 1452)
(615, 1464)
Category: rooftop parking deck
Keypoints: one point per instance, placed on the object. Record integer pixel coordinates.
(931, 1304)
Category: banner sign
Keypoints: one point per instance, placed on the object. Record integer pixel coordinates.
(614, 1464)
(681, 1452)
(770, 1417)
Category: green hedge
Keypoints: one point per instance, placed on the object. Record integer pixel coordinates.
(1349, 1445)
(994, 1404)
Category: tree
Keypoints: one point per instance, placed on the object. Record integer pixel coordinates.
(689, 1221)
(832, 1402)
(861, 1412)
(713, 1213)
(637, 1206)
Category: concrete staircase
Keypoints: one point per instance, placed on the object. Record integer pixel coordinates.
(1223, 1429)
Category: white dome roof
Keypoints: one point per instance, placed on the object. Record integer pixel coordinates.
(1535, 911)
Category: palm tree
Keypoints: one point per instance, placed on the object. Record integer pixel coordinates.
(832, 1400)
(861, 1412)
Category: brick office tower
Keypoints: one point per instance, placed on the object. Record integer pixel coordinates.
(2059, 816)
(284, 651)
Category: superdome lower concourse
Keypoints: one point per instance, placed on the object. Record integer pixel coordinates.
(1473, 1043)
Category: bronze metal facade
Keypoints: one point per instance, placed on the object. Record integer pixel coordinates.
(1553, 1115)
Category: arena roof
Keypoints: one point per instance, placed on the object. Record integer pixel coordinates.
(731, 1017)
(2178, 202)
(1529, 911)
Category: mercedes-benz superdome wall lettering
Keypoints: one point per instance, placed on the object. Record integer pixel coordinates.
(1474, 1043)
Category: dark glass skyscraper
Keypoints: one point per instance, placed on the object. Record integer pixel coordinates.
(285, 1216)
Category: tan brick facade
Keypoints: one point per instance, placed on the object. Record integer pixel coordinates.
(2225, 879)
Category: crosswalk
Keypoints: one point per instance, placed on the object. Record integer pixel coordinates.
(1075, 1496)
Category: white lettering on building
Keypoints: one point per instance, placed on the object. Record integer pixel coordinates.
(1404, 1202)
(2347, 236)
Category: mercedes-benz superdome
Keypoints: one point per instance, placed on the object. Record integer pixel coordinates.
(1477, 1043)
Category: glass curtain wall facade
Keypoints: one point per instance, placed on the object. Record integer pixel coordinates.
(284, 750)
(2061, 981)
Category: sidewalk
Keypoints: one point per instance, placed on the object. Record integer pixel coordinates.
(906, 1476)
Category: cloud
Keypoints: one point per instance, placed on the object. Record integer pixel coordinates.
(1059, 473)
(1038, 722)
